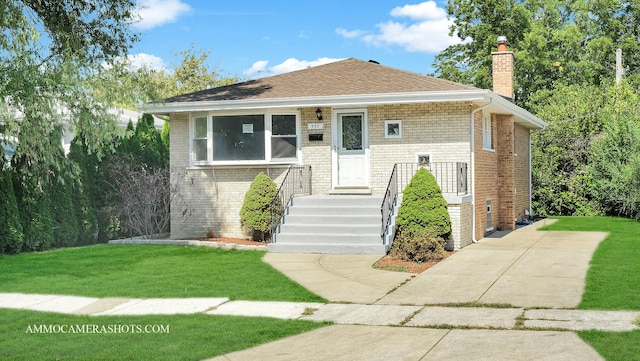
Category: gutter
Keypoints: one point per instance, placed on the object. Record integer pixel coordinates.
(473, 169)
(314, 101)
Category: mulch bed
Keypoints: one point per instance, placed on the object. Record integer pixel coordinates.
(242, 241)
(390, 263)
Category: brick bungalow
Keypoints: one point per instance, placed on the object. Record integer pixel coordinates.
(351, 121)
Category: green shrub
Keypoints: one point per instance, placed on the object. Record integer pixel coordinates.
(255, 215)
(419, 245)
(424, 207)
(11, 236)
(63, 212)
(423, 222)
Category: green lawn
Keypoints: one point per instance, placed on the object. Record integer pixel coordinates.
(189, 337)
(141, 272)
(612, 280)
(146, 271)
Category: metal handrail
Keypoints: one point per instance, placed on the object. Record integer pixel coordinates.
(389, 200)
(450, 176)
(297, 181)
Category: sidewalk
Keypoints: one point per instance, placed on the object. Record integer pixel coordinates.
(525, 286)
(347, 314)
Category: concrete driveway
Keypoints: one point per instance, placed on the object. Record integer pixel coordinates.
(523, 269)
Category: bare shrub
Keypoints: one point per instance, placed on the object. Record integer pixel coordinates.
(144, 198)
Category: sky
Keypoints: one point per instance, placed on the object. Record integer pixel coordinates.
(256, 38)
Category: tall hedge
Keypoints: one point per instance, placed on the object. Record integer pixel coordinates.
(35, 213)
(423, 206)
(11, 236)
(255, 214)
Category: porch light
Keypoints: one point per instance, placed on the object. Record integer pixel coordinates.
(319, 114)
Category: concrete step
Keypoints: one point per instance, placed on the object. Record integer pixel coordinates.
(331, 219)
(306, 247)
(330, 228)
(338, 200)
(329, 238)
(333, 210)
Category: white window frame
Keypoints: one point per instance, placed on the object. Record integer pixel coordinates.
(269, 128)
(267, 134)
(487, 142)
(192, 132)
(388, 135)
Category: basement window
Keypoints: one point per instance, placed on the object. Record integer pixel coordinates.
(489, 216)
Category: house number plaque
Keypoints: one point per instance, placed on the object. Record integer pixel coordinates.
(315, 126)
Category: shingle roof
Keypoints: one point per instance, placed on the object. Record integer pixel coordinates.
(346, 77)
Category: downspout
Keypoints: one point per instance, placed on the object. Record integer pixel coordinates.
(473, 170)
(530, 181)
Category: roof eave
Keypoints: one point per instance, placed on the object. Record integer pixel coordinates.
(477, 96)
(333, 101)
(522, 115)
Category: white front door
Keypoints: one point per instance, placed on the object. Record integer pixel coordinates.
(351, 148)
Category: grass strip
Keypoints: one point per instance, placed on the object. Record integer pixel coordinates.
(614, 346)
(145, 271)
(189, 337)
(612, 282)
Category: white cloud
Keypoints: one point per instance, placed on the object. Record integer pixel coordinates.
(137, 61)
(257, 67)
(260, 67)
(427, 33)
(154, 13)
(350, 34)
(428, 10)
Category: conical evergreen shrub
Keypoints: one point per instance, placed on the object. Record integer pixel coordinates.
(11, 236)
(255, 215)
(424, 207)
(423, 221)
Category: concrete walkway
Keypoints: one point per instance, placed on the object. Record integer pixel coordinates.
(523, 288)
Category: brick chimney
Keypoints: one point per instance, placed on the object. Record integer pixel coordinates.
(503, 60)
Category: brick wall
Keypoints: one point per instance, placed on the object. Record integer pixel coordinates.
(214, 196)
(503, 73)
(486, 177)
(499, 173)
(441, 129)
(522, 171)
(505, 206)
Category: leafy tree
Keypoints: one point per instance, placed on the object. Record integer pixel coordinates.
(481, 22)
(11, 236)
(146, 84)
(255, 214)
(152, 151)
(48, 52)
(555, 41)
(615, 159)
(561, 153)
(165, 136)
